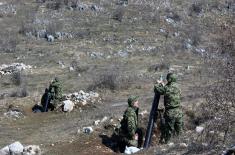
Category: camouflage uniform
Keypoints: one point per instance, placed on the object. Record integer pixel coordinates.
(55, 90)
(129, 126)
(173, 113)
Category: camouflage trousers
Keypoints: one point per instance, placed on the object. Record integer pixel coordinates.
(124, 140)
(173, 124)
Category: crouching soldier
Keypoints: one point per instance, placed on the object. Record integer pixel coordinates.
(129, 133)
(55, 90)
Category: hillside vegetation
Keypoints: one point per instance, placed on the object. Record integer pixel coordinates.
(117, 49)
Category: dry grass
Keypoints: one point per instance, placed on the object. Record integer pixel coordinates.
(152, 43)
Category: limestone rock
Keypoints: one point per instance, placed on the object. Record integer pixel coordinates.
(96, 122)
(13, 114)
(32, 150)
(12, 68)
(87, 130)
(104, 119)
(16, 148)
(171, 144)
(199, 129)
(68, 105)
(50, 38)
(5, 151)
(183, 145)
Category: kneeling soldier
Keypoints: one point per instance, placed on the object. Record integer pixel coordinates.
(129, 133)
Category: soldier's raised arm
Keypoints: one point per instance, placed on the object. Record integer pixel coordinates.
(159, 88)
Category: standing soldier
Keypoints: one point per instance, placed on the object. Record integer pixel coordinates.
(129, 133)
(173, 113)
(55, 90)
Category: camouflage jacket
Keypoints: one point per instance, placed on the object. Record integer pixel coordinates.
(172, 94)
(129, 123)
(55, 89)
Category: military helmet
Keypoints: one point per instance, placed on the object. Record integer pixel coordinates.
(131, 100)
(46, 90)
(171, 77)
(56, 79)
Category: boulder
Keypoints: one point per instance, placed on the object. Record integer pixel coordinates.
(41, 33)
(104, 119)
(96, 122)
(171, 144)
(58, 35)
(94, 94)
(183, 145)
(82, 7)
(14, 67)
(123, 54)
(95, 7)
(5, 151)
(75, 94)
(82, 92)
(32, 150)
(96, 55)
(13, 114)
(84, 102)
(50, 38)
(87, 130)
(16, 148)
(199, 129)
(68, 105)
(71, 69)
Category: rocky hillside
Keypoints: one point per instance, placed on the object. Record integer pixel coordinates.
(111, 49)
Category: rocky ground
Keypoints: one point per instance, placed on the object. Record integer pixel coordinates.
(103, 51)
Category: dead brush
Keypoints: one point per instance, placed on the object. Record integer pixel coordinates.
(119, 14)
(112, 80)
(8, 42)
(219, 107)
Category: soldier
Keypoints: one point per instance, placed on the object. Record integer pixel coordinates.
(55, 90)
(129, 133)
(173, 113)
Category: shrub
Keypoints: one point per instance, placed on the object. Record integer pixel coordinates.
(106, 81)
(53, 27)
(21, 92)
(219, 106)
(118, 14)
(159, 67)
(111, 80)
(79, 68)
(8, 42)
(55, 4)
(16, 78)
(195, 9)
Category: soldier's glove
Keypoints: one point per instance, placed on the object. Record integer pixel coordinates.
(161, 82)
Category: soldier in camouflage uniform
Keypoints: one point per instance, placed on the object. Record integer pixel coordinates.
(55, 90)
(173, 113)
(129, 133)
